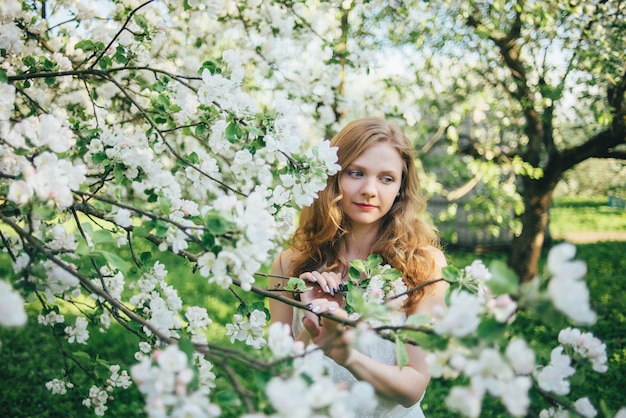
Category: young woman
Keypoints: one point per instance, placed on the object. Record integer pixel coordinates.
(372, 206)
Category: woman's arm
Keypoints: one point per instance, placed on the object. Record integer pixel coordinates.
(279, 311)
(322, 285)
(404, 385)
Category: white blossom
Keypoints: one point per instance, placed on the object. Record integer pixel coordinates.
(587, 346)
(7, 100)
(51, 318)
(584, 407)
(12, 313)
(520, 356)
(568, 291)
(463, 315)
(515, 395)
(122, 218)
(78, 333)
(553, 377)
(58, 387)
(466, 400)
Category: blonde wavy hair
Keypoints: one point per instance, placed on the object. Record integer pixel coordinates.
(403, 238)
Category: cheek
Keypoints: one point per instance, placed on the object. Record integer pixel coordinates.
(392, 193)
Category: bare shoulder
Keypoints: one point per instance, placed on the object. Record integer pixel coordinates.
(436, 294)
(438, 255)
(284, 262)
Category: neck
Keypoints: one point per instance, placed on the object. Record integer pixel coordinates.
(359, 241)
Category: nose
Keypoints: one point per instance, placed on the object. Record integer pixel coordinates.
(368, 187)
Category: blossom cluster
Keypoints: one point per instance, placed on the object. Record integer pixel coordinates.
(508, 369)
(311, 391)
(567, 288)
(375, 292)
(248, 328)
(164, 380)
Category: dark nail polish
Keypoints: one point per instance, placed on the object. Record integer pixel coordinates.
(334, 290)
(309, 305)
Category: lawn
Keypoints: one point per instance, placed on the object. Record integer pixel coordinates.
(31, 356)
(589, 214)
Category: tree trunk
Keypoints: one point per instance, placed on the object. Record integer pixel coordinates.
(526, 248)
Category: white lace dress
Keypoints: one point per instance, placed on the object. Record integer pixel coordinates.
(383, 351)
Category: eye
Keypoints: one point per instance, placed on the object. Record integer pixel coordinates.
(355, 173)
(387, 179)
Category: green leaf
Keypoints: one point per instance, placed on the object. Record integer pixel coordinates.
(161, 228)
(102, 236)
(359, 265)
(490, 329)
(402, 355)
(373, 261)
(503, 279)
(233, 132)
(208, 240)
(259, 306)
(428, 341)
(141, 21)
(87, 228)
(105, 62)
(163, 100)
(390, 274)
(4, 78)
(417, 320)
(209, 65)
(200, 129)
(145, 257)
(99, 157)
(354, 274)
(165, 205)
(85, 45)
(296, 284)
(115, 260)
(218, 223)
(144, 229)
(354, 298)
(45, 212)
(451, 274)
(81, 355)
(193, 158)
(186, 346)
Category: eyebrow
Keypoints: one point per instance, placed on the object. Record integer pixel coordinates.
(364, 168)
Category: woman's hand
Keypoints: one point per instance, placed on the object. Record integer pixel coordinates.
(328, 282)
(319, 283)
(331, 336)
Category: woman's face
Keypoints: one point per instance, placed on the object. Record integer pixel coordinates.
(370, 184)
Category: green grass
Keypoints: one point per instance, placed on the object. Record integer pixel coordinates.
(31, 355)
(589, 214)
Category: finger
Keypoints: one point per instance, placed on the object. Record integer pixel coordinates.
(323, 304)
(308, 276)
(333, 280)
(311, 328)
(317, 277)
(323, 281)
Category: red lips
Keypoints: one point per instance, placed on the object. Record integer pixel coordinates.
(365, 206)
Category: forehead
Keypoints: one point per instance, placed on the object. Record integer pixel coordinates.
(381, 156)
